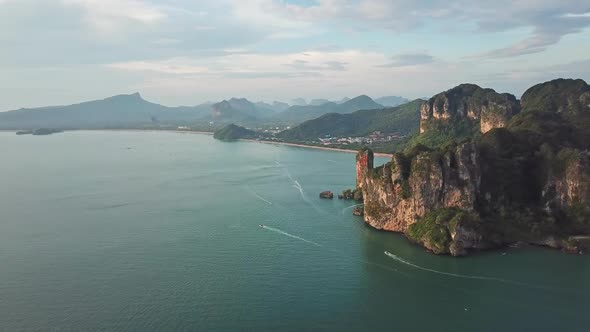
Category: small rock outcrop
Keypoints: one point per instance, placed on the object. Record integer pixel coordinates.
(358, 211)
(327, 195)
(351, 194)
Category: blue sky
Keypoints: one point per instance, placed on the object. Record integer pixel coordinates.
(182, 52)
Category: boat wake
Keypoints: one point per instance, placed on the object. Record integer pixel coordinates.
(294, 182)
(278, 231)
(296, 185)
(259, 197)
(506, 281)
(337, 253)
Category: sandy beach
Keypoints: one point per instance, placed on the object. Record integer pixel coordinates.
(387, 155)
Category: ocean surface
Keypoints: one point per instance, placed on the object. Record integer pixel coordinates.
(136, 231)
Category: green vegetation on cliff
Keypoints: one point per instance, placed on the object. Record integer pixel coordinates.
(560, 96)
(434, 230)
(462, 112)
(439, 134)
(232, 132)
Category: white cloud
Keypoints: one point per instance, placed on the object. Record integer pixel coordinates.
(409, 59)
(101, 11)
(206, 49)
(111, 18)
(170, 66)
(549, 19)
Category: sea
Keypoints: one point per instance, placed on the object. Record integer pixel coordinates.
(141, 231)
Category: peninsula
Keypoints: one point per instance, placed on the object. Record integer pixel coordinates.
(488, 170)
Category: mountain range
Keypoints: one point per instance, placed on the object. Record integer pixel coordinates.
(298, 114)
(114, 112)
(132, 111)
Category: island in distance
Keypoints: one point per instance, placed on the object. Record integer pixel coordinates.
(39, 132)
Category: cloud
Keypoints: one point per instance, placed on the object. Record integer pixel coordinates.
(60, 32)
(170, 66)
(409, 59)
(549, 20)
(237, 63)
(306, 65)
(186, 50)
(549, 29)
(101, 12)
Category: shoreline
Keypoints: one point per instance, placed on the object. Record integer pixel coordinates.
(177, 131)
(386, 155)
(297, 145)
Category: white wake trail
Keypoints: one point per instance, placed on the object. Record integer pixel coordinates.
(297, 186)
(259, 197)
(290, 235)
(457, 275)
(333, 251)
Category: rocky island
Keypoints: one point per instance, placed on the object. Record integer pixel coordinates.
(233, 132)
(39, 132)
(488, 170)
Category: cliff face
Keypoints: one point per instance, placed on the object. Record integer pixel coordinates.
(567, 193)
(468, 102)
(527, 182)
(401, 192)
(414, 187)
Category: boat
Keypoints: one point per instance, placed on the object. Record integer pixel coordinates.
(261, 225)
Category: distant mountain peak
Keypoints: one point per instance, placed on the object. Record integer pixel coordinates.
(240, 100)
(133, 96)
(363, 101)
(362, 97)
(392, 101)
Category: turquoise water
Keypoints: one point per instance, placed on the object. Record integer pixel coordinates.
(159, 231)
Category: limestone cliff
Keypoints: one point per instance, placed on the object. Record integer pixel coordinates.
(468, 102)
(412, 188)
(407, 189)
(526, 178)
(567, 190)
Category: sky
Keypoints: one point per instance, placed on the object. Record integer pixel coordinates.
(182, 52)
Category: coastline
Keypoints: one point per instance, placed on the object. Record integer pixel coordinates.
(297, 145)
(387, 155)
(210, 133)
